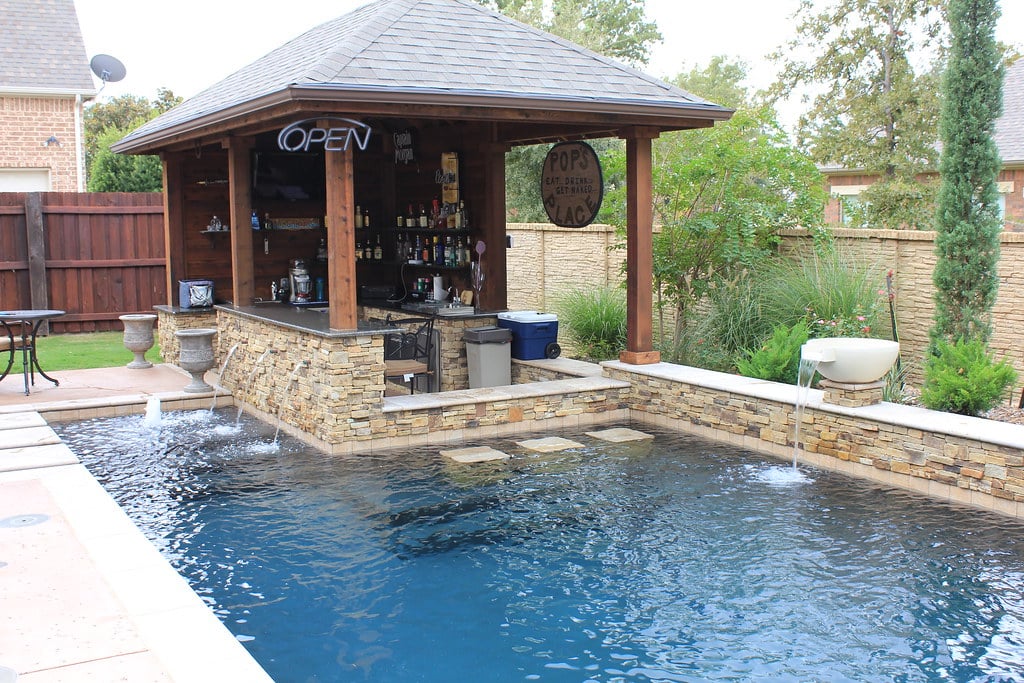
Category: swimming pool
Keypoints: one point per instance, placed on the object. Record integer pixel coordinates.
(672, 560)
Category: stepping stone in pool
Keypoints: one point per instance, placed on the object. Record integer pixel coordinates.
(549, 444)
(474, 454)
(620, 435)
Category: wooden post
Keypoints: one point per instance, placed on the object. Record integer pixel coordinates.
(174, 222)
(341, 239)
(491, 228)
(639, 249)
(36, 235)
(242, 278)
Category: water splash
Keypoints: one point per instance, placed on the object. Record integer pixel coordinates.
(804, 377)
(781, 476)
(287, 389)
(220, 377)
(248, 380)
(153, 417)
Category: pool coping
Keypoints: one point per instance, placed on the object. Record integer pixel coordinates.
(159, 628)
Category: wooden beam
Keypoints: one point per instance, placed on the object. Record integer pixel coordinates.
(174, 221)
(341, 239)
(639, 249)
(36, 236)
(491, 228)
(243, 284)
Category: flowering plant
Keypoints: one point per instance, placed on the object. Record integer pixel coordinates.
(858, 324)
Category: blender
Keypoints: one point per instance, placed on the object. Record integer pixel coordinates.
(301, 284)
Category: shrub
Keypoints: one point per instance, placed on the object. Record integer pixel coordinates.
(838, 294)
(778, 360)
(594, 320)
(962, 378)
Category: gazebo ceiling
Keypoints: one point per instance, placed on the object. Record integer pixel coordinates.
(431, 59)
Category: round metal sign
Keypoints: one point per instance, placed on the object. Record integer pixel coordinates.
(571, 184)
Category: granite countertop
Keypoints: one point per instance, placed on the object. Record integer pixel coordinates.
(313, 319)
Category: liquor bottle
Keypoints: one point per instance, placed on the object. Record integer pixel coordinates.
(359, 218)
(399, 221)
(451, 216)
(463, 216)
(438, 251)
(366, 218)
(321, 251)
(424, 222)
(410, 218)
(255, 220)
(427, 256)
(267, 223)
(378, 251)
(450, 257)
(417, 249)
(359, 251)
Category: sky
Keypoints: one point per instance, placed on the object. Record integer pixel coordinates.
(188, 45)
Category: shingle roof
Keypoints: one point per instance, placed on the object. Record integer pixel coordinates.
(1009, 135)
(444, 47)
(42, 49)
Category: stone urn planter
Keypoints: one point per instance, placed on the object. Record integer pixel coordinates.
(138, 337)
(196, 356)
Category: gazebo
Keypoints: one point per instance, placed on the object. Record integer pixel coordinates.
(446, 71)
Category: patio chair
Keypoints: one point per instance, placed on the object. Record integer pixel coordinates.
(407, 355)
(9, 344)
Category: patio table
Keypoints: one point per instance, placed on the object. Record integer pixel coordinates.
(27, 323)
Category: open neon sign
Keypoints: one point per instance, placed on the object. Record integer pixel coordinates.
(295, 137)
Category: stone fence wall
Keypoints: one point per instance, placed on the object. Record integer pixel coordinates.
(546, 260)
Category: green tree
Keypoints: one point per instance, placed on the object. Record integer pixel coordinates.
(107, 122)
(875, 75)
(967, 220)
(614, 28)
(721, 197)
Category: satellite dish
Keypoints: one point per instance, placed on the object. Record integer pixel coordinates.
(109, 69)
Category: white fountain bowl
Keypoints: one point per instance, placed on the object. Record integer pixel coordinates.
(851, 360)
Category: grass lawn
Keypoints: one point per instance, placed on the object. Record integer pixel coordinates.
(81, 351)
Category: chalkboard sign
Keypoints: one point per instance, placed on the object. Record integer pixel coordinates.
(571, 184)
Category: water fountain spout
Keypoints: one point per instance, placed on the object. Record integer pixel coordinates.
(153, 418)
(287, 388)
(220, 377)
(248, 380)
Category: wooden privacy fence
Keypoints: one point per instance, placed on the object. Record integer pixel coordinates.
(95, 255)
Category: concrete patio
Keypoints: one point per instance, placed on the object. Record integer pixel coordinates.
(86, 596)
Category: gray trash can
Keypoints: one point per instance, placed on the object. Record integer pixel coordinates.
(489, 353)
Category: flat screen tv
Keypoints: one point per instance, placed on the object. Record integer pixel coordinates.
(289, 176)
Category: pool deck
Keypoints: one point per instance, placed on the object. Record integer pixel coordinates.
(86, 597)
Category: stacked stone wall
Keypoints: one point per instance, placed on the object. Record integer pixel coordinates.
(908, 447)
(329, 388)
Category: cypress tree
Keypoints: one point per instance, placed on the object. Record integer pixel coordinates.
(967, 220)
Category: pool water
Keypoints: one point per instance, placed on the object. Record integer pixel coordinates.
(672, 560)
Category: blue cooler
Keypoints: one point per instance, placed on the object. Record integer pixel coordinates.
(195, 293)
(534, 335)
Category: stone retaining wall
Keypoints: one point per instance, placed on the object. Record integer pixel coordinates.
(961, 459)
(328, 388)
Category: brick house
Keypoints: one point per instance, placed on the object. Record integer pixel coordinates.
(45, 82)
(845, 184)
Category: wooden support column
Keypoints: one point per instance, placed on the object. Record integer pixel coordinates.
(491, 228)
(341, 239)
(174, 221)
(639, 249)
(35, 234)
(243, 283)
